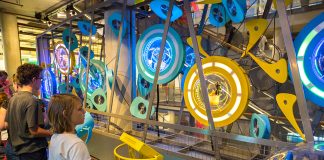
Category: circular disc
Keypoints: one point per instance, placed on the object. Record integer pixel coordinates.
(236, 9)
(228, 90)
(319, 147)
(66, 38)
(139, 108)
(217, 15)
(62, 58)
(260, 126)
(48, 83)
(147, 52)
(161, 7)
(309, 45)
(85, 26)
(96, 77)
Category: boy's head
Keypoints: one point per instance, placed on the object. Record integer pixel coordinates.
(29, 74)
(65, 112)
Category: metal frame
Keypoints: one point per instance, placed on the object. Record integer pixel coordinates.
(286, 33)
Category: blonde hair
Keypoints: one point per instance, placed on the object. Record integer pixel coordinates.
(3, 100)
(60, 110)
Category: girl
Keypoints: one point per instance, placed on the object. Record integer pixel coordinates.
(65, 112)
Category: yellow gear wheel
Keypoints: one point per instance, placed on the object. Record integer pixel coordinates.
(228, 91)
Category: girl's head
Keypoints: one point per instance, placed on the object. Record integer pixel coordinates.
(3, 100)
(65, 112)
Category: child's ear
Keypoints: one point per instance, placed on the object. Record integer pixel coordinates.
(64, 113)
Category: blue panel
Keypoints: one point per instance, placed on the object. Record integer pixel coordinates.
(161, 7)
(66, 38)
(260, 126)
(236, 9)
(310, 59)
(114, 22)
(84, 55)
(190, 59)
(144, 87)
(217, 15)
(147, 52)
(86, 127)
(48, 83)
(85, 27)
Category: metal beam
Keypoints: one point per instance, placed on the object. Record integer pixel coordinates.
(157, 70)
(231, 136)
(286, 33)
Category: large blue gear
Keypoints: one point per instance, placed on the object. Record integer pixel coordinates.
(147, 52)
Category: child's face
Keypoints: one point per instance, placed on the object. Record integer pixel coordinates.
(78, 112)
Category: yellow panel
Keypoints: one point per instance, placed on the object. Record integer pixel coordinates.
(286, 103)
(209, 2)
(140, 147)
(256, 28)
(277, 71)
(287, 2)
(201, 50)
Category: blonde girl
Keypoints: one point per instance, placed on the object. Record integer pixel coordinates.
(65, 112)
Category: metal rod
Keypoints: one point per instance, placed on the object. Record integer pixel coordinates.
(285, 29)
(69, 58)
(157, 71)
(181, 110)
(203, 18)
(54, 56)
(92, 8)
(17, 4)
(232, 136)
(120, 38)
(88, 64)
(201, 77)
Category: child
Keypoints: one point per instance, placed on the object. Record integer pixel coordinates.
(65, 112)
(3, 110)
(4, 83)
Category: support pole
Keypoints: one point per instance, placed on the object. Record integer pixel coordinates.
(88, 64)
(120, 35)
(157, 71)
(202, 79)
(285, 29)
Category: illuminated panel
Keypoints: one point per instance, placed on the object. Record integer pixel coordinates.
(48, 83)
(147, 52)
(228, 91)
(161, 7)
(62, 58)
(217, 15)
(235, 9)
(96, 77)
(66, 39)
(319, 147)
(310, 59)
(85, 27)
(260, 126)
(114, 22)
